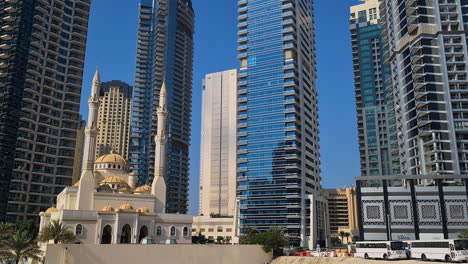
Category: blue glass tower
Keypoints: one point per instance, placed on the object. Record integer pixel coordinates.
(278, 152)
(164, 54)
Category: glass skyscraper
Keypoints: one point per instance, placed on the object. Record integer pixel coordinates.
(375, 117)
(278, 152)
(164, 54)
(42, 51)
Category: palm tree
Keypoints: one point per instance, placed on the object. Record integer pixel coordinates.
(58, 232)
(6, 230)
(342, 235)
(347, 234)
(20, 246)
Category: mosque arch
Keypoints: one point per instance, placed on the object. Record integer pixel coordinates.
(106, 237)
(126, 235)
(143, 233)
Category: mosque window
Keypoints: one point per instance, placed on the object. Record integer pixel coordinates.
(173, 231)
(78, 229)
(185, 231)
(158, 231)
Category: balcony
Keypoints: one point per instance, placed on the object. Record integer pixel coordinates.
(7, 28)
(9, 18)
(6, 37)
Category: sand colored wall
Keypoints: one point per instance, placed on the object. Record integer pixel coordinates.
(167, 254)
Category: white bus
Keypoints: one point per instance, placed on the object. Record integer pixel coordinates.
(381, 249)
(448, 249)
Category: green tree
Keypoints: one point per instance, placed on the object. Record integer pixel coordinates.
(464, 234)
(58, 232)
(6, 230)
(26, 225)
(199, 239)
(272, 240)
(18, 247)
(249, 236)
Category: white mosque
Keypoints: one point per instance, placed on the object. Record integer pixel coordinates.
(106, 206)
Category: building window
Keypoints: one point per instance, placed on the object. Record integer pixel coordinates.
(220, 229)
(202, 230)
(78, 229)
(373, 212)
(401, 211)
(428, 211)
(210, 229)
(158, 231)
(457, 212)
(228, 229)
(173, 231)
(185, 232)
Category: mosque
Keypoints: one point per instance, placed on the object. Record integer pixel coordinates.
(106, 206)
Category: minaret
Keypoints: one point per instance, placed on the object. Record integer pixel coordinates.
(158, 188)
(84, 200)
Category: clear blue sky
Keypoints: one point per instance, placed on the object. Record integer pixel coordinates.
(112, 42)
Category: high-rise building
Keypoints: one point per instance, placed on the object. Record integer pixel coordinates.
(42, 50)
(278, 152)
(426, 45)
(78, 160)
(114, 118)
(370, 73)
(164, 54)
(218, 161)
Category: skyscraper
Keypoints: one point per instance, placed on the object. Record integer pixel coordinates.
(164, 54)
(78, 159)
(278, 152)
(42, 49)
(218, 144)
(114, 118)
(370, 74)
(426, 45)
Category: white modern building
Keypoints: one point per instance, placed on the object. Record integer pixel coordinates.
(218, 144)
(218, 165)
(106, 206)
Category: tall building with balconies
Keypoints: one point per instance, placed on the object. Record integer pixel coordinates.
(278, 152)
(374, 116)
(114, 118)
(42, 49)
(426, 44)
(164, 54)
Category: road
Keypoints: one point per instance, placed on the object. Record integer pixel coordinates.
(312, 260)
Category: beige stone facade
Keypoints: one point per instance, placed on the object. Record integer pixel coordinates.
(214, 227)
(114, 122)
(218, 144)
(342, 209)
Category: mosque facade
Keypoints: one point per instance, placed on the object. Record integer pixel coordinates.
(106, 206)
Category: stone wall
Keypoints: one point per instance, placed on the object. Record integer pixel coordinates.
(167, 254)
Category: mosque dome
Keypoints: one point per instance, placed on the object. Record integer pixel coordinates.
(111, 158)
(144, 188)
(132, 174)
(107, 208)
(126, 206)
(143, 210)
(114, 180)
(51, 210)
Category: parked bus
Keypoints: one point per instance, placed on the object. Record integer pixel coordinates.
(447, 249)
(381, 249)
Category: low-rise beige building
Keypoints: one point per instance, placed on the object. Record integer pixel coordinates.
(214, 227)
(342, 209)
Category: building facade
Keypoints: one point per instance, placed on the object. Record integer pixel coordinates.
(218, 144)
(164, 54)
(78, 160)
(42, 50)
(114, 118)
(342, 209)
(400, 207)
(370, 74)
(106, 206)
(278, 152)
(427, 52)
